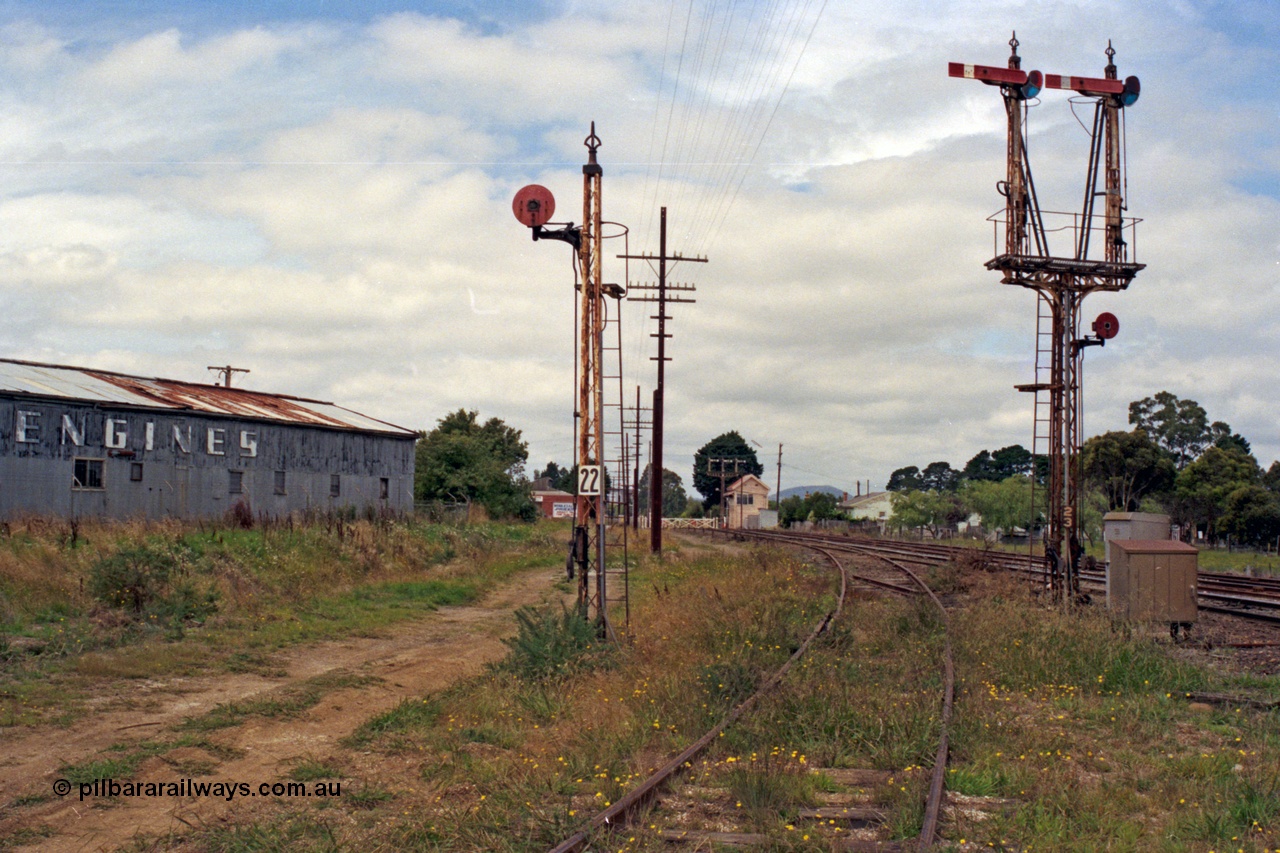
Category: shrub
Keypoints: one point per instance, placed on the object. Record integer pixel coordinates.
(132, 577)
(145, 579)
(241, 515)
(548, 644)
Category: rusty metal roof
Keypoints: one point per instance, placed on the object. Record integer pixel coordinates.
(107, 388)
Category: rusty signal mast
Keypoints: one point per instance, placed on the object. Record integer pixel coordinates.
(534, 206)
(1062, 281)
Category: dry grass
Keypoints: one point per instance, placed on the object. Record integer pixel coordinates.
(272, 586)
(1081, 729)
(1078, 729)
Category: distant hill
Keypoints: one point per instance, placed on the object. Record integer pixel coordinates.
(801, 491)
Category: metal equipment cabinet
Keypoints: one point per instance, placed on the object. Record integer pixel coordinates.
(1133, 525)
(1152, 580)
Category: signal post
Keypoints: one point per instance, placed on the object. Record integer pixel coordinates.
(534, 206)
(1061, 282)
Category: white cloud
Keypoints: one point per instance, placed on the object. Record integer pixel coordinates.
(160, 58)
(329, 205)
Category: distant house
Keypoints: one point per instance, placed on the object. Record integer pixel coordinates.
(553, 503)
(874, 507)
(744, 499)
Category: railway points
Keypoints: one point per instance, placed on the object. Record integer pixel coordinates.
(647, 794)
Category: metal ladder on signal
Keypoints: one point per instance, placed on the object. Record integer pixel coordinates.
(1043, 413)
(618, 480)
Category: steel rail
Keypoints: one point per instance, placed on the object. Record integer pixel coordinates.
(933, 802)
(649, 787)
(1213, 588)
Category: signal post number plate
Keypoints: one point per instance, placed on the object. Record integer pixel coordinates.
(590, 480)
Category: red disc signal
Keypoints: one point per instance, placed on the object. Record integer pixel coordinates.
(534, 205)
(1106, 326)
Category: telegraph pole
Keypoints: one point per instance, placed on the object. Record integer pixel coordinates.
(778, 492)
(224, 373)
(721, 466)
(638, 423)
(655, 493)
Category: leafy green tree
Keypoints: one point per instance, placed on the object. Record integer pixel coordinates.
(1126, 467)
(503, 442)
(674, 498)
(980, 467)
(561, 478)
(904, 479)
(1003, 505)
(741, 461)
(1000, 465)
(939, 477)
(1251, 514)
(464, 460)
(1271, 479)
(1179, 426)
(1203, 487)
(928, 509)
(815, 506)
(1093, 507)
(1231, 440)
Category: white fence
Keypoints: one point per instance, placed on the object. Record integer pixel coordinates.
(690, 523)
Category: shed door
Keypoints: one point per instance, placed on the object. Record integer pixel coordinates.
(177, 499)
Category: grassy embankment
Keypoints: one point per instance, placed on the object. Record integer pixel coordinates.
(1081, 725)
(80, 605)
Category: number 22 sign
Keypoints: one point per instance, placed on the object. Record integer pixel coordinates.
(590, 479)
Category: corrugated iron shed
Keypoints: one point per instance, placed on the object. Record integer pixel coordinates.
(169, 395)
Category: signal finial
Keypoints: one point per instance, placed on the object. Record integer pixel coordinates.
(593, 144)
(1015, 61)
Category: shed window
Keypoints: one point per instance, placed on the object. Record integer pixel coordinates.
(747, 500)
(135, 472)
(335, 485)
(87, 474)
(384, 488)
(280, 483)
(235, 482)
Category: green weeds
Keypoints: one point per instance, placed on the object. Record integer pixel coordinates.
(409, 715)
(1080, 729)
(553, 643)
(112, 601)
(287, 702)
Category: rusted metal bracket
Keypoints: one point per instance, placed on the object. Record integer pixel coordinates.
(571, 234)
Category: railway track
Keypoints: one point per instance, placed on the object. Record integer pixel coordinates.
(647, 792)
(1256, 599)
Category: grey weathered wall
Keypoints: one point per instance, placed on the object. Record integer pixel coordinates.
(188, 476)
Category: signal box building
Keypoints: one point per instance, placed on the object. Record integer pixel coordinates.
(745, 498)
(90, 443)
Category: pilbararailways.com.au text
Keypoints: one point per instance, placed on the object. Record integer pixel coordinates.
(192, 788)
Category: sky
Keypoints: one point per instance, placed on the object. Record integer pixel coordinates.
(320, 192)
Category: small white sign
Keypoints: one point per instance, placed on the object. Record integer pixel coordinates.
(590, 480)
(561, 510)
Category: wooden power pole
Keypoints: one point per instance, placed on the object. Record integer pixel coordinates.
(662, 298)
